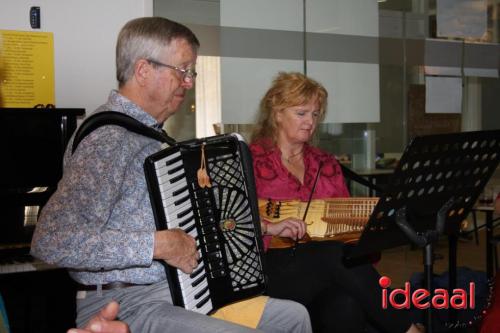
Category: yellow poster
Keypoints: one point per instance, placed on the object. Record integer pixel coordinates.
(26, 68)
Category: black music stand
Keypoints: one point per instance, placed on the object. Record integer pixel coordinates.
(432, 190)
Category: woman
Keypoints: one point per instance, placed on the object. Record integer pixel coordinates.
(339, 298)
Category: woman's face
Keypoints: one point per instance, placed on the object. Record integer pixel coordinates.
(297, 124)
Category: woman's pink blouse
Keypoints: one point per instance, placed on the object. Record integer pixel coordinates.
(274, 181)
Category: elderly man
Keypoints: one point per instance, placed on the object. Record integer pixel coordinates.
(100, 224)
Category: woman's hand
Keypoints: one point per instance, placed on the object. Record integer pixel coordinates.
(289, 227)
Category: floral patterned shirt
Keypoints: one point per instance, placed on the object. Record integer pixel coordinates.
(99, 223)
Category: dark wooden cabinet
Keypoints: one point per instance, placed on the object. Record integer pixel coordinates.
(39, 302)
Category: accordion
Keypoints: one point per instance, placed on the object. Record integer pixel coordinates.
(223, 218)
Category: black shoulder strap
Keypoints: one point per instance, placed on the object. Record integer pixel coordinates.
(120, 119)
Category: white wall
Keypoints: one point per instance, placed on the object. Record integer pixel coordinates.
(353, 87)
(245, 80)
(85, 34)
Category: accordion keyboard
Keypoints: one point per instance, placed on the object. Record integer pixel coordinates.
(179, 214)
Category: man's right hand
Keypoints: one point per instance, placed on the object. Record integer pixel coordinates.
(177, 248)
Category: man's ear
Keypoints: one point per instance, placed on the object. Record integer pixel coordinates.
(142, 70)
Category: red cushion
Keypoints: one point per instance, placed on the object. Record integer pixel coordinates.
(491, 320)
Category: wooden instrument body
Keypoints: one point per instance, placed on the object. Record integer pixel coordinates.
(341, 219)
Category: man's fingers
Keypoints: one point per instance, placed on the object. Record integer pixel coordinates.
(110, 311)
(110, 327)
(187, 269)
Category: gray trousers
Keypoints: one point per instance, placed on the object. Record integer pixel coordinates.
(148, 309)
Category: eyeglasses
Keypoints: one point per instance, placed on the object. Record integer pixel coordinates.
(188, 75)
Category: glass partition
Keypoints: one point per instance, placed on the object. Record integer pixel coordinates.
(393, 47)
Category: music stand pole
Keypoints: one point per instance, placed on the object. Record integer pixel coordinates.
(428, 270)
(426, 241)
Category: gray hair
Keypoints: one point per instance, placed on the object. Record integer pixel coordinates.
(144, 38)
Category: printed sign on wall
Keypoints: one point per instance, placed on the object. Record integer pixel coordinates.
(26, 68)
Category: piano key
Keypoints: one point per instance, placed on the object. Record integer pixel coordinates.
(197, 271)
(198, 280)
(172, 158)
(184, 213)
(175, 179)
(166, 196)
(205, 309)
(165, 179)
(188, 291)
(202, 302)
(175, 168)
(172, 203)
(166, 188)
(190, 301)
(172, 223)
(180, 191)
(190, 228)
(170, 165)
(161, 168)
(188, 278)
(174, 211)
(186, 221)
(193, 233)
(200, 258)
(201, 293)
(182, 199)
(167, 173)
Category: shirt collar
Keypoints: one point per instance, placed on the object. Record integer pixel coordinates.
(120, 102)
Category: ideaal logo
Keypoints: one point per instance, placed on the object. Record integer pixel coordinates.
(419, 298)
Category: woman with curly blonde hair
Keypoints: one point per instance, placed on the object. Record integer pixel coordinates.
(339, 298)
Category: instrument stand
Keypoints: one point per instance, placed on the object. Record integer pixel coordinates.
(431, 191)
(426, 241)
